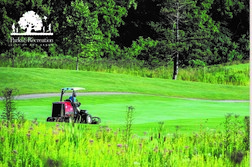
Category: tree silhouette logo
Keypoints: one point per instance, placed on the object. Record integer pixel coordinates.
(30, 21)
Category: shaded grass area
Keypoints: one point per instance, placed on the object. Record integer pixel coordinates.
(38, 80)
(189, 115)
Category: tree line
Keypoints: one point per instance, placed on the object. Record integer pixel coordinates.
(156, 32)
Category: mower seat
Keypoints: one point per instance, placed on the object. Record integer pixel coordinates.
(68, 100)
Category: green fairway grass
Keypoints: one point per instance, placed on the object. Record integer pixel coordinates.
(41, 80)
(157, 100)
(149, 111)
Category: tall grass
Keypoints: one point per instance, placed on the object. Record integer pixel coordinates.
(217, 75)
(60, 144)
(213, 74)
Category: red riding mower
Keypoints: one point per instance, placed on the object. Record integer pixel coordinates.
(68, 110)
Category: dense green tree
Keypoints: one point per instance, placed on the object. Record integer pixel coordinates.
(110, 16)
(199, 32)
(205, 35)
(83, 32)
(136, 23)
(233, 17)
(174, 12)
(186, 29)
(105, 17)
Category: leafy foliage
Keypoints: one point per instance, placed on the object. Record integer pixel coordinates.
(209, 31)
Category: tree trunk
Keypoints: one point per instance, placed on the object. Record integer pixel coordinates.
(13, 61)
(29, 28)
(12, 55)
(77, 62)
(175, 67)
(176, 57)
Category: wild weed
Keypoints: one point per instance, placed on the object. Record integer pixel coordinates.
(10, 112)
(60, 144)
(129, 121)
(235, 138)
(247, 133)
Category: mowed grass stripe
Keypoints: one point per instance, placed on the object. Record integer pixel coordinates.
(41, 80)
(149, 110)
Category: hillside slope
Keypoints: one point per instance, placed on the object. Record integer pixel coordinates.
(38, 80)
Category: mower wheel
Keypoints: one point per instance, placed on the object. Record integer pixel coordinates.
(60, 119)
(88, 119)
(96, 120)
(50, 119)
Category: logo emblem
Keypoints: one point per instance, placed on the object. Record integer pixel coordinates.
(31, 30)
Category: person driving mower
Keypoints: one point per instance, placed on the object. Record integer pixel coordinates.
(75, 102)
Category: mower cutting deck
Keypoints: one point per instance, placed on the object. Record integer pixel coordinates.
(68, 110)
